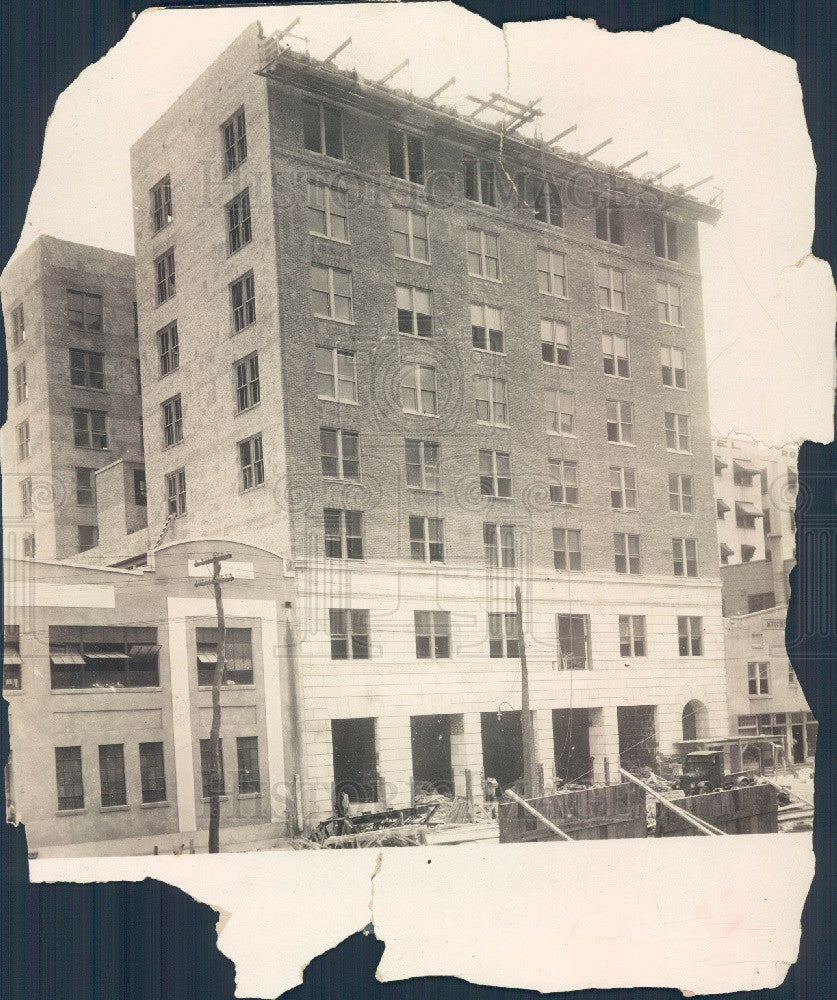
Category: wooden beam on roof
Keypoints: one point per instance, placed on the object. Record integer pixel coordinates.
(595, 149)
(392, 72)
(338, 50)
(665, 173)
(691, 187)
(279, 35)
(633, 159)
(557, 138)
(444, 87)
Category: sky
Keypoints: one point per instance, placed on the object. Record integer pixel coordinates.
(710, 101)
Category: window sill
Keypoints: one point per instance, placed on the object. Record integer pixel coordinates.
(677, 388)
(483, 277)
(558, 434)
(620, 378)
(488, 423)
(334, 319)
(618, 312)
(114, 809)
(248, 409)
(70, 812)
(155, 805)
(247, 326)
(338, 402)
(228, 687)
(232, 253)
(677, 326)
(105, 690)
(171, 447)
(164, 301)
(413, 260)
(249, 795)
(557, 364)
(89, 447)
(677, 451)
(553, 295)
(331, 239)
(623, 444)
(337, 480)
(13, 691)
(415, 413)
(492, 496)
(251, 489)
(221, 798)
(425, 489)
(416, 336)
(89, 388)
(489, 352)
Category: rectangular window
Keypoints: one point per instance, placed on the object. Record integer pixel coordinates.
(12, 661)
(573, 642)
(18, 326)
(499, 545)
(161, 210)
(243, 301)
(678, 433)
(611, 282)
(85, 487)
(555, 342)
(685, 556)
(208, 775)
(563, 481)
(90, 429)
(140, 491)
(331, 293)
(238, 653)
(164, 276)
(84, 311)
(626, 553)
(23, 440)
(492, 401)
(665, 239)
(503, 636)
(418, 390)
(546, 202)
(340, 453)
(349, 634)
(758, 678)
(343, 533)
(415, 315)
(669, 304)
(234, 131)
(322, 129)
(495, 474)
(487, 328)
(620, 421)
(87, 369)
(409, 234)
(623, 491)
(632, 635)
(480, 185)
(112, 774)
(483, 254)
(616, 355)
(432, 635)
(423, 464)
(152, 772)
(172, 410)
(239, 225)
(552, 272)
(673, 363)
(680, 495)
(103, 657)
(427, 539)
(176, 492)
(560, 413)
(328, 214)
(88, 537)
(406, 156)
(247, 755)
(690, 635)
(610, 224)
(26, 509)
(247, 387)
(29, 546)
(168, 349)
(21, 384)
(566, 549)
(251, 462)
(336, 375)
(68, 778)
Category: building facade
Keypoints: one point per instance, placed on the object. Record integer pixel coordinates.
(74, 394)
(763, 692)
(108, 676)
(427, 372)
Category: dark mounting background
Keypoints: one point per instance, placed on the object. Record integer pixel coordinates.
(149, 941)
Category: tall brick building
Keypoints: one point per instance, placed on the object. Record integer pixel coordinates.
(425, 368)
(74, 394)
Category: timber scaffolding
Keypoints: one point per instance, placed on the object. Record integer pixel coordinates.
(322, 78)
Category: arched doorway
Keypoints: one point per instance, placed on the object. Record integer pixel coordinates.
(695, 720)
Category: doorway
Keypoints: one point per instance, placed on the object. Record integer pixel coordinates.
(798, 743)
(571, 734)
(695, 720)
(502, 747)
(355, 759)
(637, 736)
(430, 740)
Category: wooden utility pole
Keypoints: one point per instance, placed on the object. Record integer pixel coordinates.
(529, 764)
(216, 775)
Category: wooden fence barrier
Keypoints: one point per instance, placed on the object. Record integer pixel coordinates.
(608, 812)
(751, 809)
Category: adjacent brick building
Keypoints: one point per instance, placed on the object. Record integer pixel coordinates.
(74, 394)
(425, 368)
